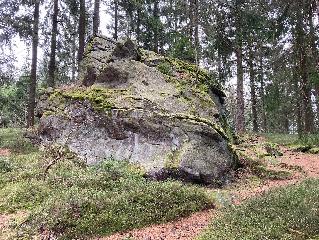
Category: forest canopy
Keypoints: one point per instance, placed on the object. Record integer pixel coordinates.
(264, 53)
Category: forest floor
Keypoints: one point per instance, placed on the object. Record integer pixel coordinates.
(301, 165)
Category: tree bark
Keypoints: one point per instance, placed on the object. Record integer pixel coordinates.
(303, 70)
(81, 30)
(52, 63)
(156, 29)
(138, 28)
(253, 96)
(73, 58)
(116, 20)
(196, 34)
(262, 94)
(315, 53)
(96, 17)
(240, 112)
(33, 76)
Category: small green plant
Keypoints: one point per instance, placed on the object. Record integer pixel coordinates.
(314, 150)
(165, 68)
(260, 170)
(272, 149)
(5, 165)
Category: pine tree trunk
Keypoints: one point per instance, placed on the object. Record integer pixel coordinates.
(138, 28)
(73, 58)
(191, 19)
(303, 69)
(196, 32)
(262, 95)
(116, 20)
(156, 29)
(253, 101)
(298, 106)
(314, 52)
(33, 76)
(194, 28)
(96, 17)
(81, 30)
(317, 103)
(240, 113)
(52, 63)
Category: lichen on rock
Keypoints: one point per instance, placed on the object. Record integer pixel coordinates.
(130, 104)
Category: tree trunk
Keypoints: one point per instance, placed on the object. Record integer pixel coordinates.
(297, 95)
(191, 19)
(73, 57)
(262, 95)
(240, 113)
(138, 28)
(96, 17)
(116, 20)
(253, 96)
(315, 53)
(196, 34)
(81, 30)
(303, 70)
(33, 82)
(52, 63)
(317, 103)
(156, 29)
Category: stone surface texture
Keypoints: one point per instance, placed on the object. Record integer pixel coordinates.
(135, 105)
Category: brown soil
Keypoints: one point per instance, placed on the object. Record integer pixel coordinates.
(5, 220)
(4, 152)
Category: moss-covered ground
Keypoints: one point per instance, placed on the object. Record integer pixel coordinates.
(307, 143)
(286, 213)
(54, 193)
(62, 196)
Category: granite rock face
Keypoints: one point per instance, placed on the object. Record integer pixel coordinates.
(135, 105)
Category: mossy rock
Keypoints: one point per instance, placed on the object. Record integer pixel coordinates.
(157, 112)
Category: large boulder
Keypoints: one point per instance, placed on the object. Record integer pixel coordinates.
(130, 104)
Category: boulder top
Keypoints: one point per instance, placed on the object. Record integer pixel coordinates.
(100, 51)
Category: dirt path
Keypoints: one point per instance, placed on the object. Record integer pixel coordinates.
(4, 152)
(189, 228)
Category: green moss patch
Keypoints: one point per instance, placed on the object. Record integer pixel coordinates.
(99, 97)
(187, 74)
(307, 143)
